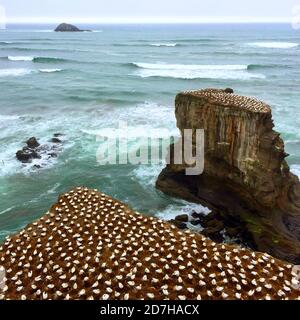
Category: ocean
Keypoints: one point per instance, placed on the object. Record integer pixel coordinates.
(78, 83)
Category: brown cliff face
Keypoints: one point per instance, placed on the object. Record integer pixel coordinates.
(245, 177)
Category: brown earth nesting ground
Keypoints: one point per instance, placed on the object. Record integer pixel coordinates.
(90, 246)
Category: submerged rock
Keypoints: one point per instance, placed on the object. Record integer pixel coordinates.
(246, 177)
(56, 140)
(65, 27)
(24, 156)
(182, 218)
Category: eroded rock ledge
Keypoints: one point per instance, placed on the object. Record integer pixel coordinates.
(90, 246)
(246, 177)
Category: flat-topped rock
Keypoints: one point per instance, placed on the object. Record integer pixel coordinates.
(227, 98)
(246, 177)
(90, 246)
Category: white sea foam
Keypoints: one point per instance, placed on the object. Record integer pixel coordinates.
(184, 207)
(274, 45)
(49, 70)
(4, 117)
(158, 116)
(133, 132)
(184, 71)
(20, 58)
(163, 44)
(147, 175)
(295, 169)
(192, 67)
(14, 72)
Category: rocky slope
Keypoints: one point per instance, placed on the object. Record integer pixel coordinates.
(246, 180)
(90, 246)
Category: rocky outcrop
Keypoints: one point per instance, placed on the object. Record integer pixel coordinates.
(246, 178)
(65, 27)
(92, 247)
(34, 150)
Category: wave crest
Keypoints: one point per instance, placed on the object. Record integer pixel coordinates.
(182, 71)
(37, 59)
(274, 45)
(163, 44)
(49, 70)
(20, 58)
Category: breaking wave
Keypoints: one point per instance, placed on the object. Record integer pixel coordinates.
(36, 59)
(274, 45)
(163, 44)
(49, 70)
(20, 58)
(184, 71)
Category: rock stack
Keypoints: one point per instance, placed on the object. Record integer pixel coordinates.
(246, 177)
(90, 246)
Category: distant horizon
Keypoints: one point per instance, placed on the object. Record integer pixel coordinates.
(135, 21)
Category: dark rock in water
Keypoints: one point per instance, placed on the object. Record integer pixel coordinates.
(213, 234)
(180, 225)
(53, 155)
(229, 90)
(32, 143)
(34, 150)
(23, 156)
(215, 225)
(56, 140)
(56, 135)
(65, 27)
(196, 222)
(182, 218)
(213, 228)
(27, 154)
(196, 215)
(233, 232)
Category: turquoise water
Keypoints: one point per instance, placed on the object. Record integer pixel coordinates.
(77, 83)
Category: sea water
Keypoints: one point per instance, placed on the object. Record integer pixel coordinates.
(78, 83)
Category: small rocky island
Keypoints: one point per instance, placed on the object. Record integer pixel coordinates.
(246, 182)
(65, 27)
(34, 150)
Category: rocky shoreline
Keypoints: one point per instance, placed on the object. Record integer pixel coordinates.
(246, 182)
